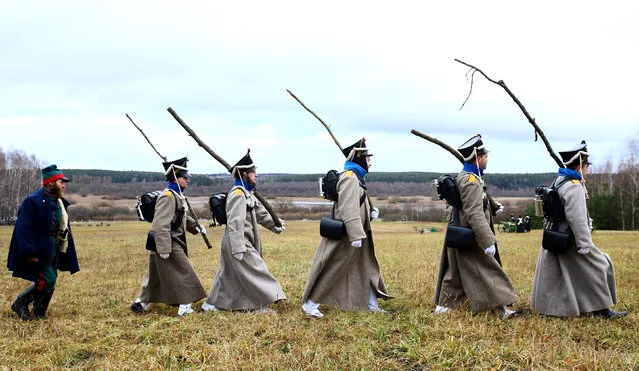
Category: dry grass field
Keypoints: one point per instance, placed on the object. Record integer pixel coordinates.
(91, 326)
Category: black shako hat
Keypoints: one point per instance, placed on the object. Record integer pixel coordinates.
(572, 155)
(176, 169)
(357, 153)
(245, 165)
(474, 145)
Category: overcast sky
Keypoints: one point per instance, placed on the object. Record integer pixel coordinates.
(72, 69)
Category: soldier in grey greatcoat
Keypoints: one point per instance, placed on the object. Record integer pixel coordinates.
(580, 280)
(171, 279)
(345, 272)
(474, 275)
(243, 282)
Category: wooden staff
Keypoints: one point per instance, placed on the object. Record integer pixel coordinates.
(328, 128)
(454, 152)
(317, 117)
(206, 239)
(228, 167)
(445, 146)
(501, 83)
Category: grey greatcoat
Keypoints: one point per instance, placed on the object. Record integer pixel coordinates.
(343, 275)
(171, 281)
(570, 284)
(245, 284)
(472, 275)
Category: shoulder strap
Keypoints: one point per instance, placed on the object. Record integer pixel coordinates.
(245, 195)
(177, 222)
(557, 186)
(240, 188)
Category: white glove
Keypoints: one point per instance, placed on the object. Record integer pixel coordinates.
(200, 228)
(239, 256)
(490, 250)
(279, 230)
(500, 210)
(375, 213)
(356, 243)
(164, 256)
(584, 250)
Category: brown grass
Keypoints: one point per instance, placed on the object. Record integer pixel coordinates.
(91, 326)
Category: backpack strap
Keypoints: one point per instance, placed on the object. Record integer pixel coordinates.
(177, 221)
(248, 208)
(363, 198)
(362, 184)
(564, 181)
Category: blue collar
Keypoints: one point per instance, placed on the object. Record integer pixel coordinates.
(472, 168)
(569, 173)
(244, 184)
(349, 165)
(174, 187)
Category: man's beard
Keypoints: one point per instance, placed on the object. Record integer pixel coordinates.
(56, 190)
(249, 181)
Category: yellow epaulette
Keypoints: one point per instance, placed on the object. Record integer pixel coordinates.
(238, 191)
(168, 193)
(349, 173)
(472, 178)
(575, 181)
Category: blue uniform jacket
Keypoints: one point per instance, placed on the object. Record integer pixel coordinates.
(31, 238)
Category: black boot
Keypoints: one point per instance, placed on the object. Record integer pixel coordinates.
(21, 304)
(609, 314)
(41, 304)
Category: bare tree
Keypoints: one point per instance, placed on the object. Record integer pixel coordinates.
(19, 176)
(629, 180)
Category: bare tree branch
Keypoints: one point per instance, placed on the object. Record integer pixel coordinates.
(522, 108)
(198, 140)
(472, 79)
(145, 137)
(204, 237)
(370, 201)
(219, 159)
(445, 146)
(317, 117)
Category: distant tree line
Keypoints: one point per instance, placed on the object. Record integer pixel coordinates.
(383, 183)
(613, 191)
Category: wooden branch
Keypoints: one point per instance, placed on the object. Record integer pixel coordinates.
(145, 137)
(521, 107)
(445, 146)
(470, 91)
(228, 167)
(370, 201)
(317, 117)
(204, 236)
(198, 140)
(493, 205)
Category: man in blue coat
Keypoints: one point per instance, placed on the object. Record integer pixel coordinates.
(42, 244)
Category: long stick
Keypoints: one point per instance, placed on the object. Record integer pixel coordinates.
(328, 128)
(317, 117)
(445, 146)
(206, 239)
(454, 152)
(145, 137)
(219, 159)
(521, 107)
(198, 140)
